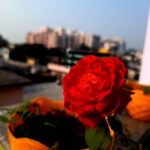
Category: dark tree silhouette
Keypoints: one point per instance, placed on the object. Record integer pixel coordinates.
(35, 51)
(3, 42)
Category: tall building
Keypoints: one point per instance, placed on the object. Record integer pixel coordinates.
(59, 38)
(92, 41)
(116, 45)
(108, 44)
(72, 39)
(34, 38)
(82, 38)
(40, 37)
(96, 42)
(45, 31)
(62, 37)
(53, 40)
(30, 38)
(121, 44)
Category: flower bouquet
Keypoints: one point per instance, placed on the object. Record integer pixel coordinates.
(95, 93)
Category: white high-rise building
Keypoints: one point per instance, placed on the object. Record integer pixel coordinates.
(121, 44)
(72, 39)
(116, 45)
(62, 37)
(82, 38)
(92, 41)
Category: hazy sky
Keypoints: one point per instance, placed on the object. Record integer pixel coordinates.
(108, 18)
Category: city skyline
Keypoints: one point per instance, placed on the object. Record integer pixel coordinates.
(127, 20)
(63, 38)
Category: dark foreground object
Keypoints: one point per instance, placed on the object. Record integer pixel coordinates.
(56, 130)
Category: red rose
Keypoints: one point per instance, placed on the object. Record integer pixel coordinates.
(94, 87)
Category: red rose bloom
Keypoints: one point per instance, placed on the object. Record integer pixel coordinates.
(94, 87)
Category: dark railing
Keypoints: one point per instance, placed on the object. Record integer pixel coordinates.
(72, 57)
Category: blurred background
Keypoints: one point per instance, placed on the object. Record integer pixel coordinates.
(41, 40)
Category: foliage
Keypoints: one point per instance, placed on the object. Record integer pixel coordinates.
(7, 112)
(3, 42)
(146, 89)
(99, 137)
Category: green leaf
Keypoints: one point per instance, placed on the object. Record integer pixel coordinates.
(4, 119)
(1, 147)
(49, 124)
(146, 89)
(4, 109)
(98, 138)
(55, 146)
(106, 142)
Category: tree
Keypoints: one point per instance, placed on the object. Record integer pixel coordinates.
(3, 42)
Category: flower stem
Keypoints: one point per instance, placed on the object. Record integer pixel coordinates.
(112, 133)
